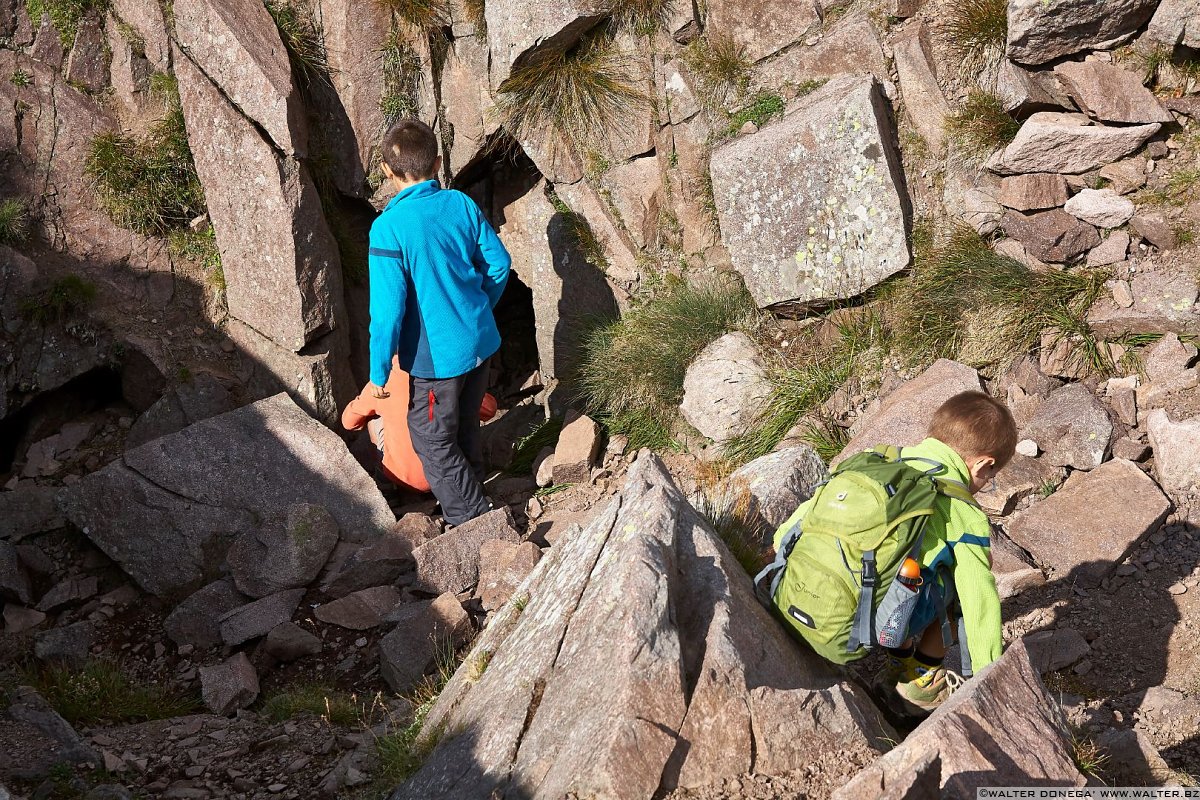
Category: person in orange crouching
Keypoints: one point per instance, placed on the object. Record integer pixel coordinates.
(386, 422)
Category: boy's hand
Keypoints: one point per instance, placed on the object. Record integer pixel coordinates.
(377, 391)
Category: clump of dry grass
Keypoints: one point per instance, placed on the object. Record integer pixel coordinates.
(977, 32)
(982, 125)
(428, 15)
(721, 66)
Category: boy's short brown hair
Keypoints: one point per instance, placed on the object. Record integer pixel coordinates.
(976, 424)
(410, 148)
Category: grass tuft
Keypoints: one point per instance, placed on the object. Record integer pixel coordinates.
(302, 38)
(401, 79)
(65, 15)
(642, 17)
(827, 438)
(14, 221)
(528, 447)
(476, 11)
(731, 510)
(977, 32)
(64, 298)
(631, 370)
(1089, 758)
(964, 300)
(982, 125)
(721, 66)
(148, 185)
(102, 692)
(761, 110)
(199, 247)
(21, 78)
(334, 707)
(427, 15)
(402, 752)
(580, 94)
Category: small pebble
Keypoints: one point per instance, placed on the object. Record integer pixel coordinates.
(1177, 588)
(276, 788)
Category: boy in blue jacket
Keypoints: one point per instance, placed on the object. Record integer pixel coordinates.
(437, 270)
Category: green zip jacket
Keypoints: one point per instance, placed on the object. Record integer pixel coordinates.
(958, 537)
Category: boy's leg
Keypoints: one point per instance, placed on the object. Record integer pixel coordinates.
(433, 421)
(469, 401)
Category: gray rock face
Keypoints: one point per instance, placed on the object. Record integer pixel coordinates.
(68, 592)
(1033, 192)
(924, 102)
(763, 27)
(196, 621)
(465, 98)
(1020, 478)
(19, 620)
(289, 641)
(641, 633)
(566, 288)
(287, 552)
(259, 618)
(1176, 451)
(379, 563)
(423, 631)
(850, 45)
(1040, 32)
(88, 64)
(814, 207)
(360, 610)
(14, 580)
(1163, 301)
(1085, 528)
(29, 707)
(725, 388)
(147, 19)
(780, 482)
(1067, 143)
(1175, 22)
(1072, 428)
(1057, 649)
(450, 562)
(1053, 236)
(229, 686)
(281, 265)
(237, 46)
(69, 646)
(1111, 251)
(198, 399)
(904, 416)
(29, 510)
(519, 31)
(168, 520)
(1002, 729)
(1109, 93)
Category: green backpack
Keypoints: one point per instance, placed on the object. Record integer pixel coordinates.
(832, 580)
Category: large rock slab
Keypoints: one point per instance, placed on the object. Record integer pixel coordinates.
(779, 482)
(148, 20)
(814, 207)
(237, 46)
(520, 32)
(502, 568)
(1101, 207)
(1164, 301)
(763, 27)
(641, 636)
(1002, 729)
(360, 610)
(282, 272)
(450, 562)
(1089, 525)
(1019, 479)
(1176, 451)
(1175, 22)
(725, 388)
(378, 563)
(287, 552)
(1039, 32)
(1051, 141)
(168, 510)
(14, 579)
(904, 416)
(198, 399)
(852, 44)
(924, 103)
(29, 510)
(229, 686)
(1110, 93)
(1071, 427)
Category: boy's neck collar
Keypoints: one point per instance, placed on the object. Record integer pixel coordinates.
(418, 188)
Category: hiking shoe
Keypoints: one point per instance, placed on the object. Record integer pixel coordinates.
(896, 670)
(928, 690)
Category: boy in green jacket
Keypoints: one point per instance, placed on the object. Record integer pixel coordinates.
(973, 436)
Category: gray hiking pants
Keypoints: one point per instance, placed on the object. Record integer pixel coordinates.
(443, 421)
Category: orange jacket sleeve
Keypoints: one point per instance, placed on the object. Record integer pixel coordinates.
(360, 410)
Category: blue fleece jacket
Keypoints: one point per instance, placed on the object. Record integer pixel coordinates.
(437, 270)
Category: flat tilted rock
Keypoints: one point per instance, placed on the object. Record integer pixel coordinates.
(1085, 528)
(1001, 729)
(1040, 31)
(1110, 93)
(725, 388)
(640, 636)
(814, 207)
(1051, 141)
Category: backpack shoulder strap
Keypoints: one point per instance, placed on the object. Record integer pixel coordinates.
(956, 490)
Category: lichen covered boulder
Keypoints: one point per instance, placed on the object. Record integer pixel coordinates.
(814, 207)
